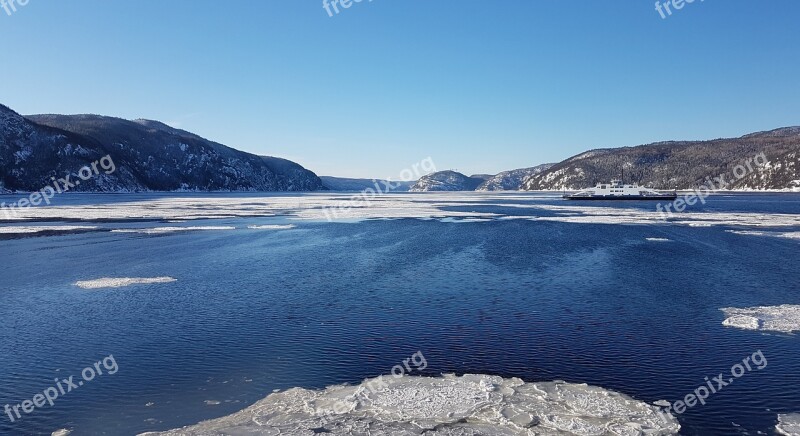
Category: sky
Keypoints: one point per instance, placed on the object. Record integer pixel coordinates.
(477, 86)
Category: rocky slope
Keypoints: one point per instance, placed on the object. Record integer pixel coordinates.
(148, 155)
(32, 155)
(685, 164)
(511, 180)
(446, 181)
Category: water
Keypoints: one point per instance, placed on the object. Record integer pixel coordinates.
(322, 303)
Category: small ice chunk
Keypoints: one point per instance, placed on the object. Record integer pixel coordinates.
(658, 239)
(273, 227)
(743, 322)
(784, 318)
(61, 432)
(108, 282)
(789, 424)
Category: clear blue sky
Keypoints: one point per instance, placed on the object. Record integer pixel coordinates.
(480, 86)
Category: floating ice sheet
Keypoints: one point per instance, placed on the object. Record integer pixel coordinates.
(166, 230)
(789, 424)
(108, 282)
(21, 230)
(273, 227)
(784, 318)
(467, 405)
(788, 235)
(337, 207)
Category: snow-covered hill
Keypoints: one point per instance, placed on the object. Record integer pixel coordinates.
(148, 155)
(511, 180)
(684, 164)
(446, 181)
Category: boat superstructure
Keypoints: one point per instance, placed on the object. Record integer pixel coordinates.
(617, 190)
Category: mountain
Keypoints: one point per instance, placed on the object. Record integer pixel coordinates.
(446, 181)
(511, 180)
(341, 184)
(31, 155)
(483, 177)
(147, 155)
(685, 164)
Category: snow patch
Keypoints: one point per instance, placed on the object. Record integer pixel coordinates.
(108, 282)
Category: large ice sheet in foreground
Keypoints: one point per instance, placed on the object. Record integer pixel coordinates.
(467, 405)
(784, 318)
(789, 424)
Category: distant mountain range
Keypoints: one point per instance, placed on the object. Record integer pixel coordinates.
(448, 181)
(455, 181)
(511, 180)
(683, 164)
(148, 156)
(152, 156)
(346, 184)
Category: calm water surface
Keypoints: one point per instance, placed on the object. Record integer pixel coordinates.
(328, 303)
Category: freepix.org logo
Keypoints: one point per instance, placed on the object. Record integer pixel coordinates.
(332, 6)
(666, 7)
(10, 6)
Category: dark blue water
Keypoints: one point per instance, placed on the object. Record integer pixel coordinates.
(330, 303)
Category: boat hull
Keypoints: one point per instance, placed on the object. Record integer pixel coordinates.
(668, 197)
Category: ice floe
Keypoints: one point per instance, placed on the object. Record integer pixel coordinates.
(21, 230)
(451, 405)
(789, 424)
(273, 227)
(453, 207)
(784, 318)
(108, 282)
(658, 239)
(166, 230)
(788, 235)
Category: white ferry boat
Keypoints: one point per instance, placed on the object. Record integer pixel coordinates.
(617, 190)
